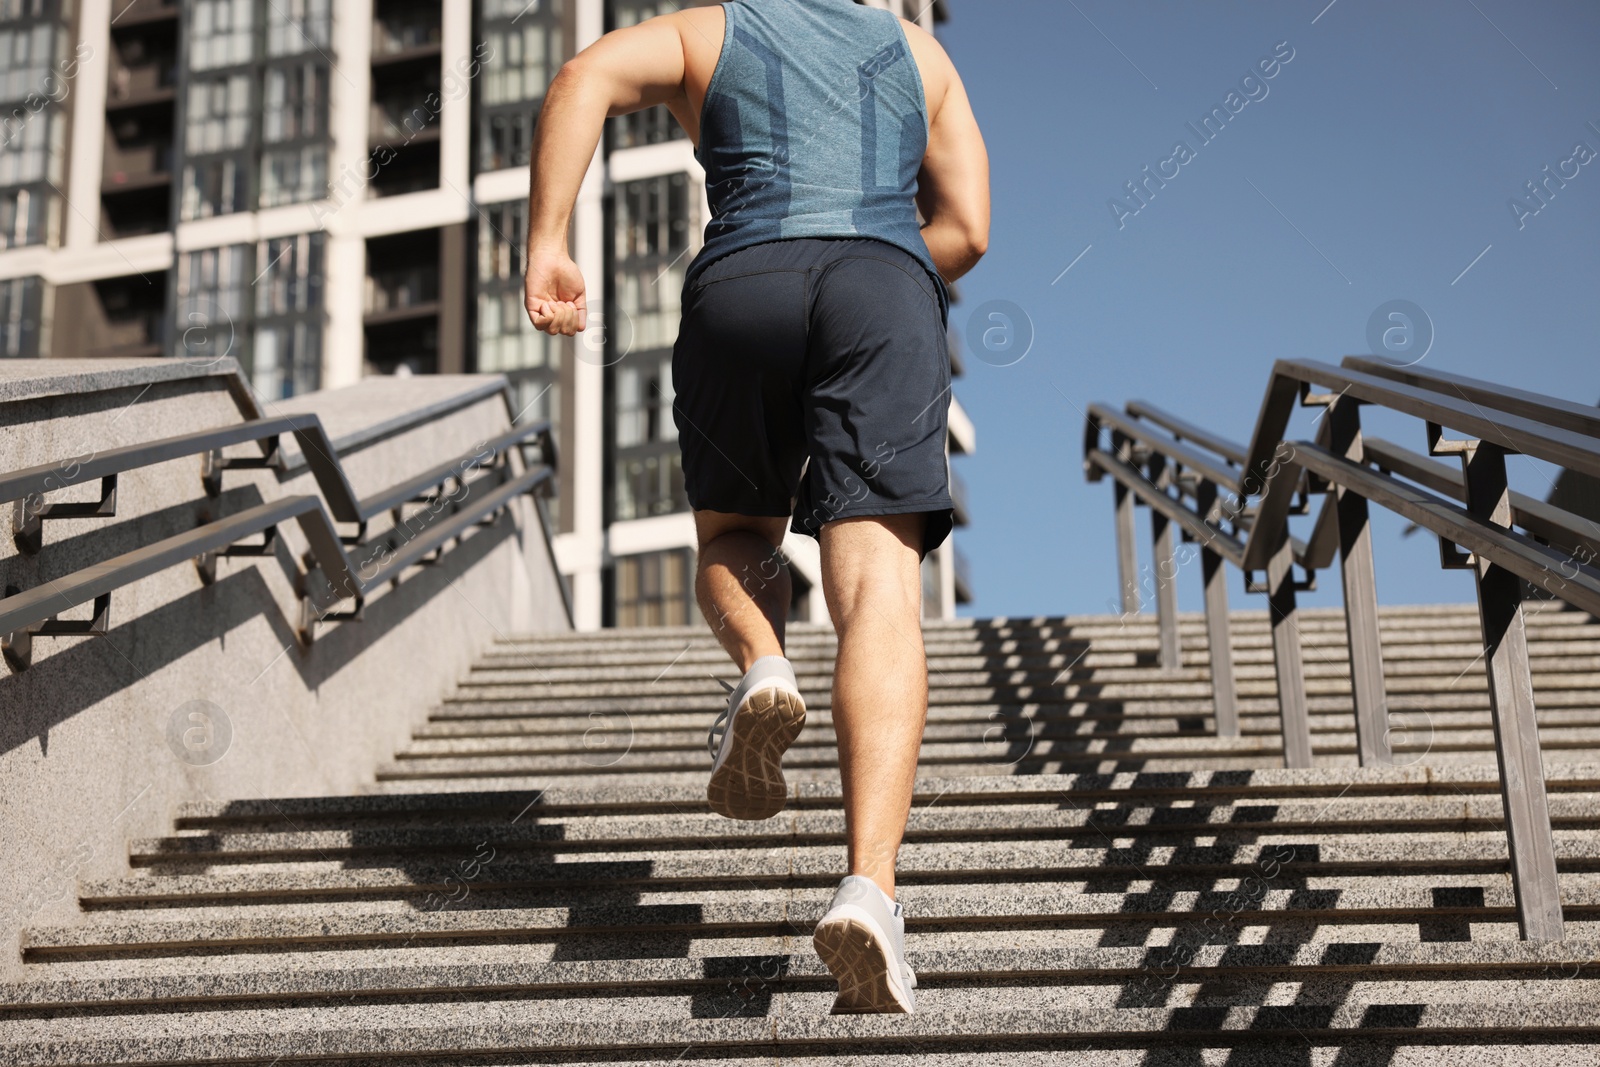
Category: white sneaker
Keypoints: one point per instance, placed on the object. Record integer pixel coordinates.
(862, 940)
(747, 742)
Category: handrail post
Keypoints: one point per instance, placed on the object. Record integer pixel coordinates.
(1213, 568)
(1127, 551)
(1166, 570)
(1360, 594)
(1516, 730)
(1281, 607)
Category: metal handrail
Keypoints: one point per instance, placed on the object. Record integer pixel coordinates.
(1514, 432)
(1505, 538)
(333, 576)
(1229, 450)
(413, 488)
(1551, 410)
(1543, 520)
(27, 485)
(30, 611)
(368, 436)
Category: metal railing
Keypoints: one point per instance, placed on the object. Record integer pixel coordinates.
(446, 500)
(1235, 502)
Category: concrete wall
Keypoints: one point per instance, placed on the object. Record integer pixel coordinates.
(201, 691)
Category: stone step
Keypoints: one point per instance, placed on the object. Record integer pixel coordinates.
(670, 920)
(1227, 854)
(1442, 910)
(1359, 1052)
(1180, 787)
(1408, 734)
(1310, 619)
(1095, 976)
(615, 749)
(775, 1025)
(1547, 662)
(974, 688)
(603, 775)
(1126, 650)
(1320, 678)
(1104, 632)
(1380, 817)
(537, 878)
(952, 720)
(1197, 700)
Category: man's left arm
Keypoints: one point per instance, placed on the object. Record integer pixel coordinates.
(627, 70)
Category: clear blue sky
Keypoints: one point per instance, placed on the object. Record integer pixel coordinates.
(1377, 167)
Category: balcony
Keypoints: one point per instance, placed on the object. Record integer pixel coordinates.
(408, 293)
(141, 100)
(402, 29)
(401, 321)
(111, 317)
(958, 495)
(963, 569)
(144, 66)
(648, 481)
(126, 15)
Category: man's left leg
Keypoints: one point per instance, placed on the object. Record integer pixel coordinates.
(742, 586)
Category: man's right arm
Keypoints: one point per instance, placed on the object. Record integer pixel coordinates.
(953, 187)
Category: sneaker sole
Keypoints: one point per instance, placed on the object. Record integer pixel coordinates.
(860, 962)
(749, 785)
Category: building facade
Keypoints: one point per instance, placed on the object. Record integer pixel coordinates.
(325, 192)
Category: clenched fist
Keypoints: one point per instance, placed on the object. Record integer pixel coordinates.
(554, 293)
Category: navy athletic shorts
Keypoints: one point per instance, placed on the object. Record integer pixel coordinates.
(812, 380)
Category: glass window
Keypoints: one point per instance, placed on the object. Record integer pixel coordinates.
(22, 217)
(294, 102)
(218, 116)
(655, 124)
(653, 216)
(282, 157)
(293, 175)
(296, 26)
(24, 60)
(19, 317)
(656, 589)
(286, 356)
(220, 33)
(212, 312)
(644, 401)
(503, 229)
(652, 245)
(214, 187)
(521, 61)
(291, 281)
(507, 341)
(294, 108)
(287, 359)
(30, 142)
(521, 49)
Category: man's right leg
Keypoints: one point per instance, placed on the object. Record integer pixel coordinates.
(742, 583)
(871, 575)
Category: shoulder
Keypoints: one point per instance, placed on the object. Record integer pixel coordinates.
(933, 63)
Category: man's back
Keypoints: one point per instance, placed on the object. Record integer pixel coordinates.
(814, 124)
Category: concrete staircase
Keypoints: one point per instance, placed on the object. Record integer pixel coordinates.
(1089, 875)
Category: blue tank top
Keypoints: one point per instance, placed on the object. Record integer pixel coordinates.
(815, 125)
